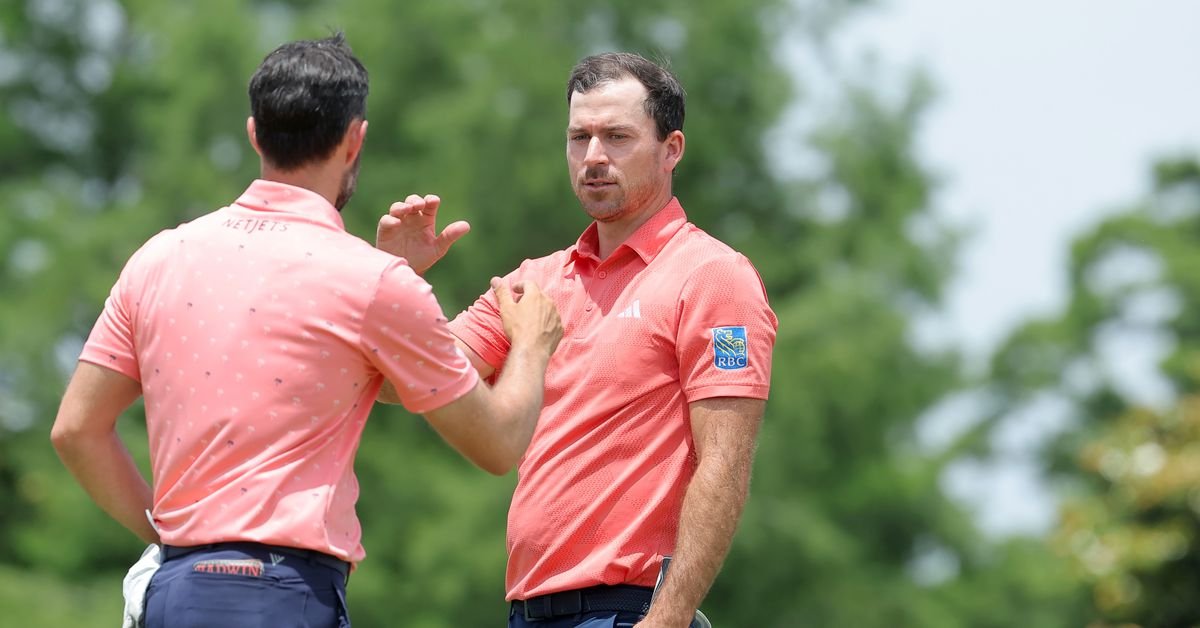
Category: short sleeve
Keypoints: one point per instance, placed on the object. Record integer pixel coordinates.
(406, 336)
(112, 342)
(726, 331)
(481, 328)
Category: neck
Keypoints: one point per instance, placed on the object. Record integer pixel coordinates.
(614, 233)
(316, 178)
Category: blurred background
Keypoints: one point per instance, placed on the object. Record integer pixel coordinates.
(979, 226)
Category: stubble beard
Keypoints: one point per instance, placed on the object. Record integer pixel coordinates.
(349, 184)
(604, 209)
(601, 206)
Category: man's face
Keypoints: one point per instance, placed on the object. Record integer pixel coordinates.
(349, 184)
(617, 163)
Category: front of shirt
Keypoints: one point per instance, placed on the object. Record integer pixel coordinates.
(261, 334)
(671, 317)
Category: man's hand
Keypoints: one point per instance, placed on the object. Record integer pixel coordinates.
(408, 231)
(725, 432)
(700, 620)
(85, 437)
(529, 316)
(492, 426)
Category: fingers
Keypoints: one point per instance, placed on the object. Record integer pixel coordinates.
(387, 221)
(521, 288)
(416, 205)
(413, 204)
(432, 202)
(513, 293)
(527, 286)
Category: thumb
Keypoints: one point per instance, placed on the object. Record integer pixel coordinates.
(451, 234)
(503, 294)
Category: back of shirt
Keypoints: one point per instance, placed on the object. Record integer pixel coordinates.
(261, 334)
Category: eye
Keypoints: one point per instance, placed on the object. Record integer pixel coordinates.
(578, 137)
(617, 136)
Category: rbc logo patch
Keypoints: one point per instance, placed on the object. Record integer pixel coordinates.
(730, 351)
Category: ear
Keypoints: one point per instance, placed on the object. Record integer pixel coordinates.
(252, 135)
(356, 134)
(675, 144)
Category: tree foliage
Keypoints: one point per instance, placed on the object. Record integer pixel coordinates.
(1127, 467)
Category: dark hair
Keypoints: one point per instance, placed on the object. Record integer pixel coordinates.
(303, 97)
(665, 96)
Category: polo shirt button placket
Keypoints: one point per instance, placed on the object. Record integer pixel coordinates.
(602, 274)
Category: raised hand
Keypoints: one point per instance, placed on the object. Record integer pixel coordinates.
(409, 228)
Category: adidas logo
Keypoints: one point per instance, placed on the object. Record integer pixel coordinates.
(633, 311)
(276, 558)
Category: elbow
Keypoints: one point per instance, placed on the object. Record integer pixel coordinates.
(496, 465)
(496, 470)
(64, 438)
(72, 434)
(501, 453)
(496, 459)
(388, 394)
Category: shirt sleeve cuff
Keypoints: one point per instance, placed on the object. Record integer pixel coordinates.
(479, 345)
(747, 391)
(103, 359)
(445, 396)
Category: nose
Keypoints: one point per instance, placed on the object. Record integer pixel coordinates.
(595, 154)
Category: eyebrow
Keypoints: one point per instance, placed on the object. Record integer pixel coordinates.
(628, 128)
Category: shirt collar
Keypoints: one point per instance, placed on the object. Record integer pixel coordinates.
(647, 241)
(273, 196)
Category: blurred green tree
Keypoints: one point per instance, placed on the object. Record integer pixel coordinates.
(1127, 465)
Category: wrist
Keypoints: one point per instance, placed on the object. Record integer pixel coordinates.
(534, 347)
(667, 617)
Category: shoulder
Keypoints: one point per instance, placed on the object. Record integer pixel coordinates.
(546, 266)
(349, 256)
(393, 283)
(159, 247)
(166, 243)
(697, 239)
(707, 268)
(694, 251)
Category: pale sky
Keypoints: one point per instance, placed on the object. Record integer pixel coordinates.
(1048, 115)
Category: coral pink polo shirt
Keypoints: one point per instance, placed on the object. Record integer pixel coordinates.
(261, 334)
(671, 317)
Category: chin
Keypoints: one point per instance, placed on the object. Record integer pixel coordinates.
(601, 208)
(602, 211)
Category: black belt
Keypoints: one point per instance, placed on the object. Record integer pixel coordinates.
(626, 598)
(312, 556)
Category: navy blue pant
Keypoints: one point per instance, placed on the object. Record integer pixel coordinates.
(245, 586)
(599, 619)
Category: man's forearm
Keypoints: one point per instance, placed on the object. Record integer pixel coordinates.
(712, 505)
(518, 395)
(103, 466)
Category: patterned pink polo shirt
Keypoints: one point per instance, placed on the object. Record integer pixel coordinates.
(261, 334)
